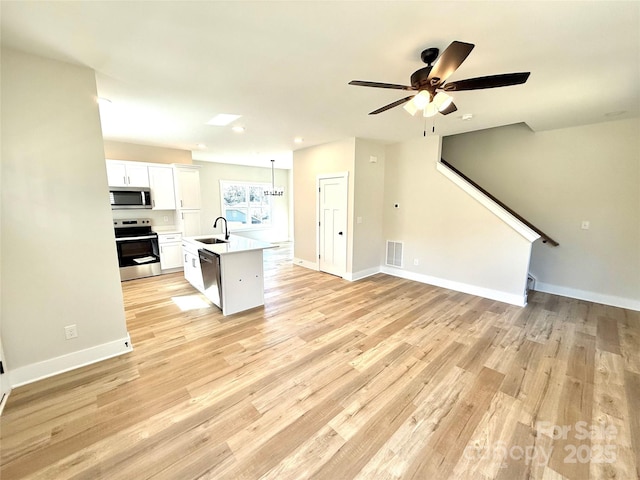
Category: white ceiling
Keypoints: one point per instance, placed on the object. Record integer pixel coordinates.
(169, 66)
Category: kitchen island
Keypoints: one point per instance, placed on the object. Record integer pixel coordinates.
(229, 272)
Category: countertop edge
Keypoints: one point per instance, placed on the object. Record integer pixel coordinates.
(237, 244)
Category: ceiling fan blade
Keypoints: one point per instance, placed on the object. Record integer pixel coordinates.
(391, 105)
(491, 81)
(363, 83)
(449, 61)
(450, 109)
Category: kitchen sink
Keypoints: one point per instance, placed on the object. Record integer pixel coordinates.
(209, 241)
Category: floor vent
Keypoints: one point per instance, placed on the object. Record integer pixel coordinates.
(394, 254)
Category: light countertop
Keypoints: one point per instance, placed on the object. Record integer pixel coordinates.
(165, 229)
(237, 244)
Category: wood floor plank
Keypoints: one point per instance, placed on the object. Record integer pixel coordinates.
(451, 439)
(382, 378)
(484, 455)
(632, 384)
(607, 335)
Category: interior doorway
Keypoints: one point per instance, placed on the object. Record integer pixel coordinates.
(332, 223)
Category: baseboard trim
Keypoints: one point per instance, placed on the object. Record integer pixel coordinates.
(64, 363)
(594, 297)
(306, 264)
(513, 299)
(354, 277)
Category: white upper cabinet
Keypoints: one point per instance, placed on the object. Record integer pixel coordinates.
(187, 181)
(162, 189)
(127, 174)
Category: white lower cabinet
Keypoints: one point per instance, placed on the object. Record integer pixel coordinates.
(191, 262)
(170, 250)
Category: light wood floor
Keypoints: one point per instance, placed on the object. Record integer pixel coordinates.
(381, 378)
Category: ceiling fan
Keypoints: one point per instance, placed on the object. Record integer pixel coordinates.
(428, 82)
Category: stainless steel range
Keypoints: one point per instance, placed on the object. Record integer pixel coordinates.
(137, 245)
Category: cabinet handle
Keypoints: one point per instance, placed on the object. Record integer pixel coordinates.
(161, 250)
(181, 202)
(124, 180)
(185, 258)
(153, 202)
(193, 262)
(129, 180)
(182, 214)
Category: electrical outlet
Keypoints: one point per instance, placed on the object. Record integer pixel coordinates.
(585, 225)
(70, 331)
(416, 262)
(166, 219)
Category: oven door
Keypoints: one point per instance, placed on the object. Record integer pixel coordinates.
(138, 256)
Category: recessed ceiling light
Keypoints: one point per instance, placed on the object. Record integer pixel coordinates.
(237, 129)
(298, 140)
(223, 119)
(466, 116)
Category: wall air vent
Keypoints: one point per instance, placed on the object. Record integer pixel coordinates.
(394, 253)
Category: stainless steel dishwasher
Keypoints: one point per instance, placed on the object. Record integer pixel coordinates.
(210, 266)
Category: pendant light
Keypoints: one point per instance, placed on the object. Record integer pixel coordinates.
(274, 192)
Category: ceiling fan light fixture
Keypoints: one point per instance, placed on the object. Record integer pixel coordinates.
(442, 101)
(430, 110)
(410, 107)
(422, 99)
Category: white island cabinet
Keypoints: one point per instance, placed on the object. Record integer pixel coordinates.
(241, 272)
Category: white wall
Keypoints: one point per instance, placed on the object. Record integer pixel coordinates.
(145, 153)
(457, 242)
(308, 163)
(59, 264)
(368, 188)
(210, 175)
(558, 178)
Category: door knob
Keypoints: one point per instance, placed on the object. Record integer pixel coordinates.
(339, 233)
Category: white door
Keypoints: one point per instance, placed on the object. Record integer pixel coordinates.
(333, 225)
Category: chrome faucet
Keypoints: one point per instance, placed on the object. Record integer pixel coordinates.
(226, 231)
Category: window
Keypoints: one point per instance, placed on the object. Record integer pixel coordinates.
(245, 205)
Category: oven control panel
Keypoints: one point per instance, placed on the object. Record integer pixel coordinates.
(132, 222)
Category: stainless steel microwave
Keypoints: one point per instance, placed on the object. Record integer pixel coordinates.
(129, 197)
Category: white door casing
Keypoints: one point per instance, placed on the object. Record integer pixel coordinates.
(5, 386)
(332, 224)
